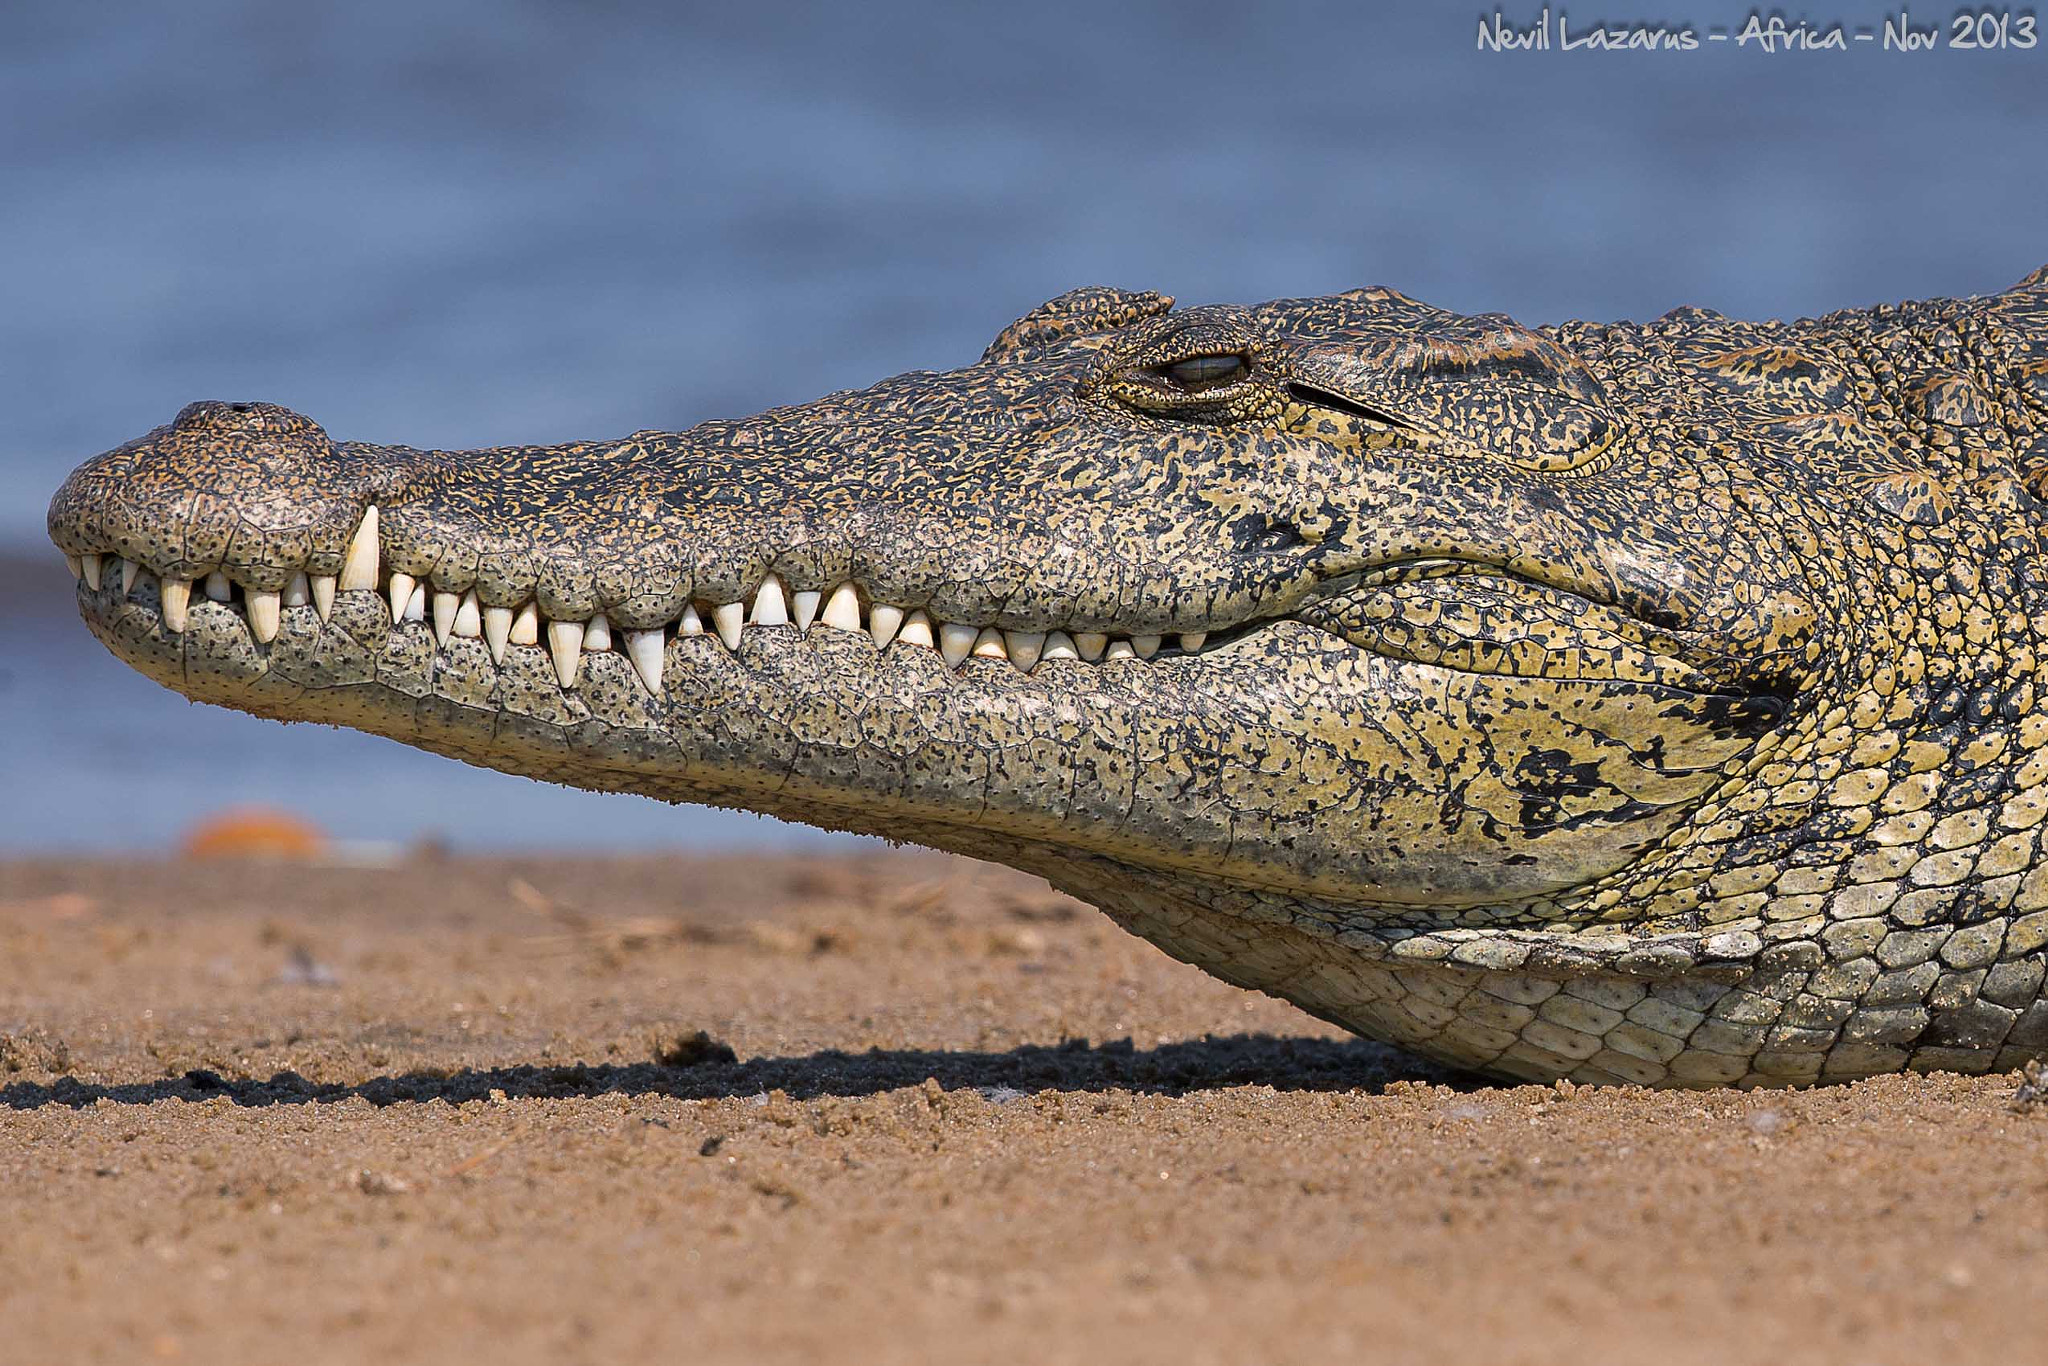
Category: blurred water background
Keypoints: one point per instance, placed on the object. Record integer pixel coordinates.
(468, 223)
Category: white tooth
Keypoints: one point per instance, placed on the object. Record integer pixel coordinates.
(565, 643)
(359, 565)
(690, 624)
(1090, 643)
(89, 570)
(770, 607)
(803, 608)
(1024, 648)
(525, 626)
(917, 630)
(445, 607)
(129, 569)
(1145, 646)
(77, 568)
(298, 592)
(1120, 649)
(175, 595)
(989, 645)
(497, 631)
(218, 588)
(1192, 641)
(597, 633)
(323, 594)
(644, 649)
(729, 617)
(416, 604)
(956, 642)
(884, 622)
(468, 617)
(842, 609)
(1059, 645)
(263, 614)
(401, 587)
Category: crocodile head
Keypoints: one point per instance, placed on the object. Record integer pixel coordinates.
(1255, 625)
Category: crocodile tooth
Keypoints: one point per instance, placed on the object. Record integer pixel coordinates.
(1024, 648)
(1059, 645)
(415, 604)
(644, 649)
(129, 569)
(803, 608)
(298, 592)
(263, 614)
(917, 630)
(956, 642)
(359, 565)
(1145, 646)
(89, 570)
(565, 643)
(989, 644)
(1120, 649)
(77, 569)
(445, 607)
(400, 589)
(1192, 641)
(690, 623)
(729, 618)
(175, 595)
(884, 622)
(323, 594)
(525, 626)
(497, 631)
(218, 588)
(597, 633)
(468, 617)
(842, 609)
(1090, 643)
(770, 607)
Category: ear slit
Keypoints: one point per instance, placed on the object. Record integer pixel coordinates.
(1324, 398)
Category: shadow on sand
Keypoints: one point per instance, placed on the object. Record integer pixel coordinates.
(703, 1069)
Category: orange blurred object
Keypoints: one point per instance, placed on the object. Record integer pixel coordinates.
(254, 832)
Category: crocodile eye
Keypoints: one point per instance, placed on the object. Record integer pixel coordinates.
(1198, 373)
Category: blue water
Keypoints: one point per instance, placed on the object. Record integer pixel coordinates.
(468, 223)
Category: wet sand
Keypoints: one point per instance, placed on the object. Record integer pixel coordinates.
(888, 1107)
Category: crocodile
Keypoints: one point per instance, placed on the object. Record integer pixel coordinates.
(1634, 703)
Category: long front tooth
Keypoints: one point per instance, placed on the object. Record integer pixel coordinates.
(176, 596)
(415, 604)
(989, 644)
(129, 569)
(690, 624)
(446, 605)
(77, 566)
(730, 618)
(218, 588)
(597, 633)
(89, 570)
(525, 626)
(770, 607)
(298, 592)
(916, 630)
(359, 565)
(884, 622)
(842, 609)
(1145, 646)
(565, 643)
(401, 593)
(468, 617)
(1192, 641)
(803, 608)
(497, 631)
(956, 642)
(323, 594)
(644, 649)
(1024, 647)
(1120, 649)
(263, 614)
(1090, 643)
(1059, 645)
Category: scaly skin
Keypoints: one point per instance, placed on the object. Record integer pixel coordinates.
(1625, 703)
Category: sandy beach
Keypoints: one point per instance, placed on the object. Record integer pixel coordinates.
(888, 1107)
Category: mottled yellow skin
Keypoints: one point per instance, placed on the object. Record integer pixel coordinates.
(1625, 703)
